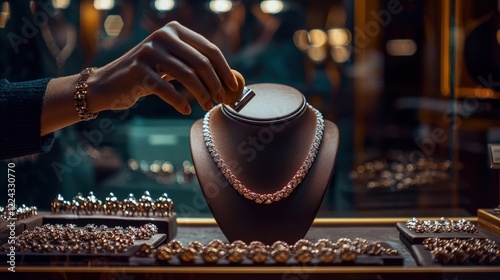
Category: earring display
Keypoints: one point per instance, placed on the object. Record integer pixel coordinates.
(112, 211)
(17, 213)
(322, 252)
(130, 206)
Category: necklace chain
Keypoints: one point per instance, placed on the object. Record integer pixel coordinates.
(289, 187)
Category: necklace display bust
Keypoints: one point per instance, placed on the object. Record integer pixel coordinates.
(264, 146)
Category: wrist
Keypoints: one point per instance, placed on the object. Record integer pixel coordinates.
(95, 96)
(81, 96)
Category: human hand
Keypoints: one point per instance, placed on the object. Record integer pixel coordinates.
(172, 51)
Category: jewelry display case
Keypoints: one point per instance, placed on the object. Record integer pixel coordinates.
(365, 153)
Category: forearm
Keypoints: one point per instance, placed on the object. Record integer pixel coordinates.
(59, 109)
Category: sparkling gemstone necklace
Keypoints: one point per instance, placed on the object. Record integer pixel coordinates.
(289, 187)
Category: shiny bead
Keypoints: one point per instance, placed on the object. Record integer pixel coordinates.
(304, 255)
(212, 255)
(175, 246)
(188, 254)
(347, 254)
(326, 255)
(163, 253)
(280, 252)
(236, 254)
(258, 254)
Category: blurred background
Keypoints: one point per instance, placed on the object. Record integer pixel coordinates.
(412, 84)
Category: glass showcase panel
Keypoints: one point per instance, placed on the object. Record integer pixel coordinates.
(412, 85)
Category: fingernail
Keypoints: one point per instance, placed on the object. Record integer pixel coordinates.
(218, 98)
(208, 105)
(234, 85)
(187, 109)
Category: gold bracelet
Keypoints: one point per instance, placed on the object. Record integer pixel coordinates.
(81, 95)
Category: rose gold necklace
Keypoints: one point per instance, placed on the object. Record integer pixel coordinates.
(269, 197)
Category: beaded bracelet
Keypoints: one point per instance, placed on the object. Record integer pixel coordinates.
(303, 251)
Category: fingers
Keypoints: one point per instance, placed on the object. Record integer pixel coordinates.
(211, 57)
(186, 75)
(167, 92)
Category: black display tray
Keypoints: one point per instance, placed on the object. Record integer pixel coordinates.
(30, 256)
(424, 258)
(362, 260)
(166, 225)
(410, 237)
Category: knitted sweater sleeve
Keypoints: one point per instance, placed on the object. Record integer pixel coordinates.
(20, 119)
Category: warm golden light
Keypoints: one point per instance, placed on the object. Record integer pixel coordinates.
(301, 40)
(316, 54)
(164, 5)
(4, 14)
(339, 37)
(340, 54)
(498, 36)
(104, 4)
(271, 6)
(220, 6)
(60, 4)
(113, 25)
(317, 37)
(401, 47)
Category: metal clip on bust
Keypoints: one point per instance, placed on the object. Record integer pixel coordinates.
(239, 98)
(235, 99)
(243, 99)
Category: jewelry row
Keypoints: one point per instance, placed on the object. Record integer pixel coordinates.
(455, 250)
(441, 225)
(89, 239)
(399, 171)
(164, 172)
(303, 251)
(130, 206)
(18, 213)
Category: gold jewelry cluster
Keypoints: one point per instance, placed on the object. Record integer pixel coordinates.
(13, 212)
(399, 171)
(90, 239)
(475, 250)
(441, 225)
(130, 206)
(303, 251)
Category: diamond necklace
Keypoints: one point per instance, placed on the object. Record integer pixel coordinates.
(269, 197)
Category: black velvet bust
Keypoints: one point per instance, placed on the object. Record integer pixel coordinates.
(264, 145)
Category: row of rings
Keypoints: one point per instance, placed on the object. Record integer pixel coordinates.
(12, 211)
(303, 251)
(89, 239)
(130, 206)
(462, 250)
(441, 225)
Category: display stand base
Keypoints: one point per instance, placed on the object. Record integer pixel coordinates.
(489, 220)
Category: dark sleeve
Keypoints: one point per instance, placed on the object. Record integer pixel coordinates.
(20, 119)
